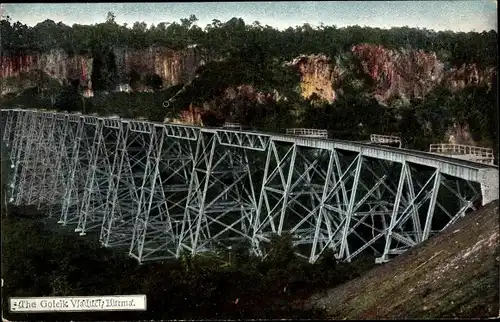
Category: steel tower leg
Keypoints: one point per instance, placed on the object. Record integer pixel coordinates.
(119, 223)
(19, 149)
(90, 181)
(49, 171)
(151, 173)
(56, 187)
(29, 159)
(71, 196)
(112, 195)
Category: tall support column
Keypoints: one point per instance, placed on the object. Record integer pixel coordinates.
(112, 196)
(50, 157)
(257, 222)
(247, 225)
(414, 211)
(168, 196)
(322, 224)
(145, 195)
(344, 248)
(161, 219)
(405, 235)
(129, 179)
(286, 191)
(395, 211)
(304, 198)
(18, 151)
(90, 181)
(197, 191)
(29, 156)
(370, 202)
(33, 169)
(290, 196)
(342, 206)
(149, 182)
(69, 144)
(432, 206)
(221, 203)
(94, 204)
(71, 196)
(322, 215)
(275, 186)
(58, 183)
(40, 163)
(186, 221)
(398, 229)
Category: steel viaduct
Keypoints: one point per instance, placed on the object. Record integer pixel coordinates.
(161, 189)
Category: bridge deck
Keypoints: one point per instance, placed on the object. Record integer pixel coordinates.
(354, 146)
(465, 169)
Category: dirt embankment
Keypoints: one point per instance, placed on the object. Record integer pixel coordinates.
(454, 274)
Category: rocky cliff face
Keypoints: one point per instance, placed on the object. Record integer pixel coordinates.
(233, 101)
(413, 73)
(17, 73)
(457, 78)
(406, 73)
(173, 67)
(318, 74)
(402, 73)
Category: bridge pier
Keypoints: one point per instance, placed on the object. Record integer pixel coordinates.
(221, 202)
(159, 218)
(82, 137)
(489, 185)
(130, 170)
(103, 156)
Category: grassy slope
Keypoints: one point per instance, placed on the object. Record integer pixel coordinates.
(453, 274)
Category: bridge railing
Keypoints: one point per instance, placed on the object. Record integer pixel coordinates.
(233, 126)
(477, 153)
(313, 133)
(385, 139)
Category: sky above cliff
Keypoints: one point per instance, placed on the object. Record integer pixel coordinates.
(470, 15)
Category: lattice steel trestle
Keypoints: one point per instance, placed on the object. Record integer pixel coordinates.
(163, 189)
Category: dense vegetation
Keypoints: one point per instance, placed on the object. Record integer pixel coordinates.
(254, 54)
(38, 263)
(234, 36)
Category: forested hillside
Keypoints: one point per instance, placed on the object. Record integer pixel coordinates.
(427, 86)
